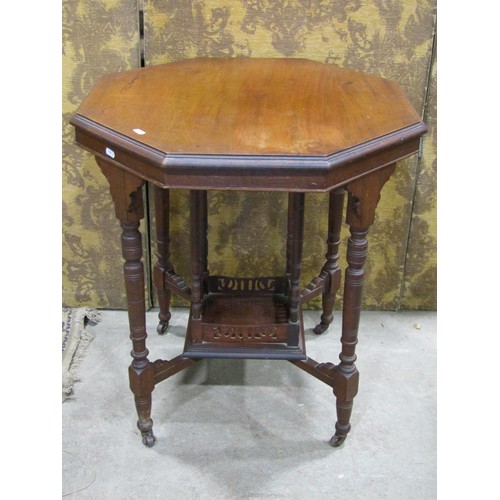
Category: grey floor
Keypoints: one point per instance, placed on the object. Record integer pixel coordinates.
(257, 429)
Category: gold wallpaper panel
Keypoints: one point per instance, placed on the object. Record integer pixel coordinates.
(99, 36)
(419, 286)
(388, 38)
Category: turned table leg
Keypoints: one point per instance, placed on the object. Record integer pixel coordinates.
(294, 249)
(364, 194)
(203, 199)
(331, 270)
(289, 234)
(141, 372)
(198, 230)
(353, 289)
(126, 191)
(162, 211)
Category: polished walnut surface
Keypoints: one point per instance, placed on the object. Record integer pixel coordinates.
(248, 107)
(176, 122)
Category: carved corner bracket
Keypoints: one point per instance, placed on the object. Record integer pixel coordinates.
(126, 191)
(364, 195)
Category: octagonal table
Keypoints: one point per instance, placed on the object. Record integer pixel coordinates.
(289, 125)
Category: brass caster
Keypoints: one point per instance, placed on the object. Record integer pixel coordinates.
(320, 328)
(162, 327)
(148, 439)
(337, 439)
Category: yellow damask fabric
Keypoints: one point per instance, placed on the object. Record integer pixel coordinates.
(389, 38)
(98, 37)
(419, 287)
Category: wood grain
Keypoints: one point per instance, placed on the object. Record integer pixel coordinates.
(248, 107)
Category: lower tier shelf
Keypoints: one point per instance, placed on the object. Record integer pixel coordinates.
(238, 325)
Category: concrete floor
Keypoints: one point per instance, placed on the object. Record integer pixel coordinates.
(253, 429)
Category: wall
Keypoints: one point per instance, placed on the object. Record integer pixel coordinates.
(389, 38)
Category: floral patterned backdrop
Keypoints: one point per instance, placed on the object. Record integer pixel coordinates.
(419, 287)
(389, 38)
(98, 37)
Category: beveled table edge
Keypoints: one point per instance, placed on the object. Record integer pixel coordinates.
(187, 160)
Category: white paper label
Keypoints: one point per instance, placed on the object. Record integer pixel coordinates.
(110, 152)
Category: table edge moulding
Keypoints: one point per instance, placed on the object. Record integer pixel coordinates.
(248, 124)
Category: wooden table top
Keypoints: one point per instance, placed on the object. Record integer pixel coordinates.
(248, 107)
(209, 111)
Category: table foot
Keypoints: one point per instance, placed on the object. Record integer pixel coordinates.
(321, 328)
(343, 426)
(145, 425)
(337, 440)
(163, 264)
(162, 327)
(164, 315)
(148, 438)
